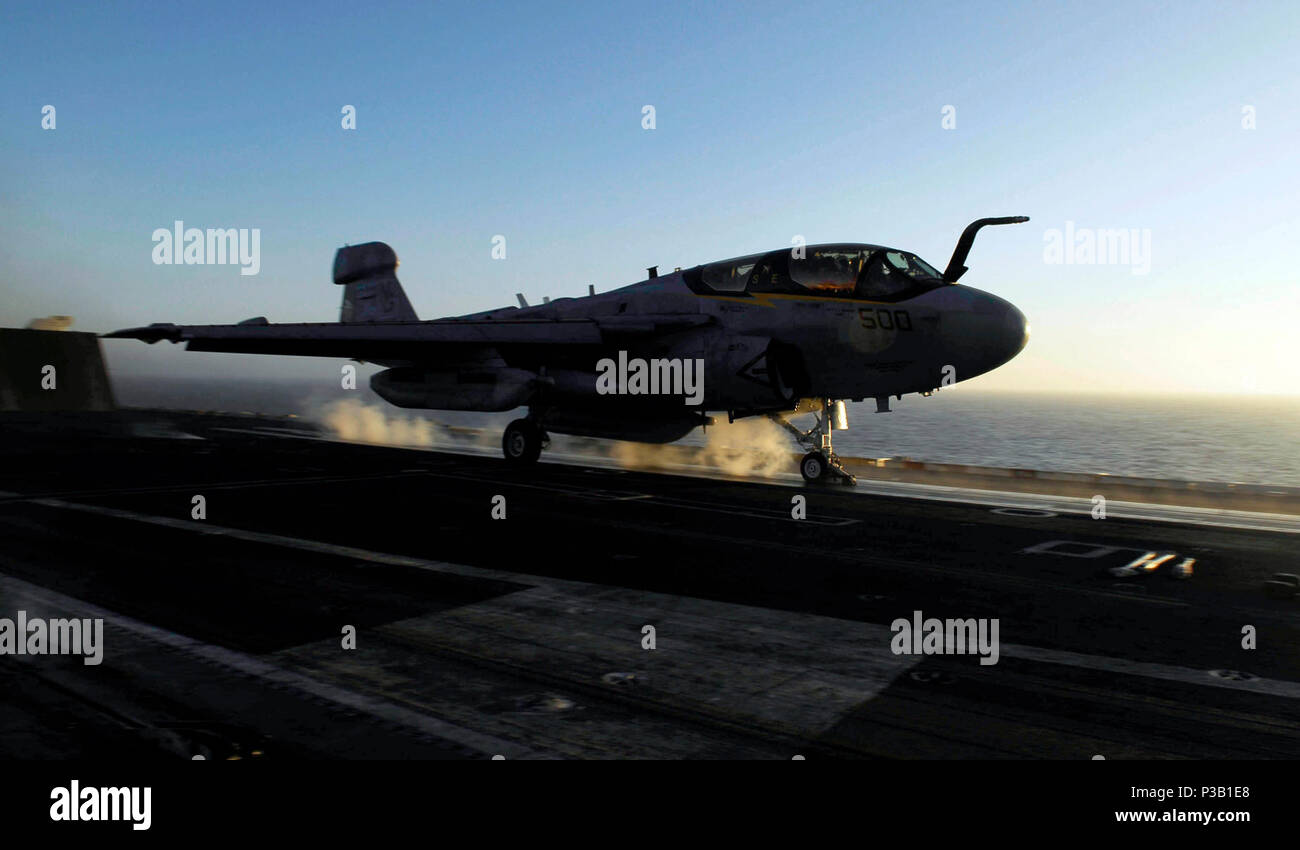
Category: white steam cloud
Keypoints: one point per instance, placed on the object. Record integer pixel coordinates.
(745, 447)
(358, 422)
(748, 447)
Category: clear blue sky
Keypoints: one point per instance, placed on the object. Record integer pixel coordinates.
(773, 119)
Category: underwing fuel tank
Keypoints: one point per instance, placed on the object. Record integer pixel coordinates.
(484, 389)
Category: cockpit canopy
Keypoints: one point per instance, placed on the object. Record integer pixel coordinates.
(867, 272)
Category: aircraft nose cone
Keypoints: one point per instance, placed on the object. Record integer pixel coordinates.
(1017, 329)
(1010, 332)
(982, 331)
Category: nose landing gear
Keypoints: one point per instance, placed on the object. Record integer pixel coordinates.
(821, 465)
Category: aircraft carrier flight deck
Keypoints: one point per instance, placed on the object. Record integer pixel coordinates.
(524, 636)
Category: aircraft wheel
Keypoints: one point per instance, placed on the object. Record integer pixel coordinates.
(813, 466)
(522, 442)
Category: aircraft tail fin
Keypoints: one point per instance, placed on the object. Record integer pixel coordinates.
(371, 291)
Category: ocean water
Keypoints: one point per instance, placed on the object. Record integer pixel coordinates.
(1245, 439)
(1248, 439)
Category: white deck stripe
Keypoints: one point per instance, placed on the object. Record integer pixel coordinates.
(1168, 672)
(1150, 512)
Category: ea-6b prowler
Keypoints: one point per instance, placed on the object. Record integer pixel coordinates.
(792, 331)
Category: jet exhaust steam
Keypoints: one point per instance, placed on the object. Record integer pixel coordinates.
(358, 422)
(747, 447)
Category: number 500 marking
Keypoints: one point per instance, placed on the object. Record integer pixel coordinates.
(885, 319)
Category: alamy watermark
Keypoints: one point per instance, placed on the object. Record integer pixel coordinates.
(95, 803)
(190, 246)
(657, 376)
(972, 636)
(38, 636)
(1087, 246)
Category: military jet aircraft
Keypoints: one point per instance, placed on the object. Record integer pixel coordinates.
(791, 331)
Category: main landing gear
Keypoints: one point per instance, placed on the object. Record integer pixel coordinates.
(523, 442)
(821, 465)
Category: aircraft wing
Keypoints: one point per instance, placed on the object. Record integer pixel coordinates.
(412, 341)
